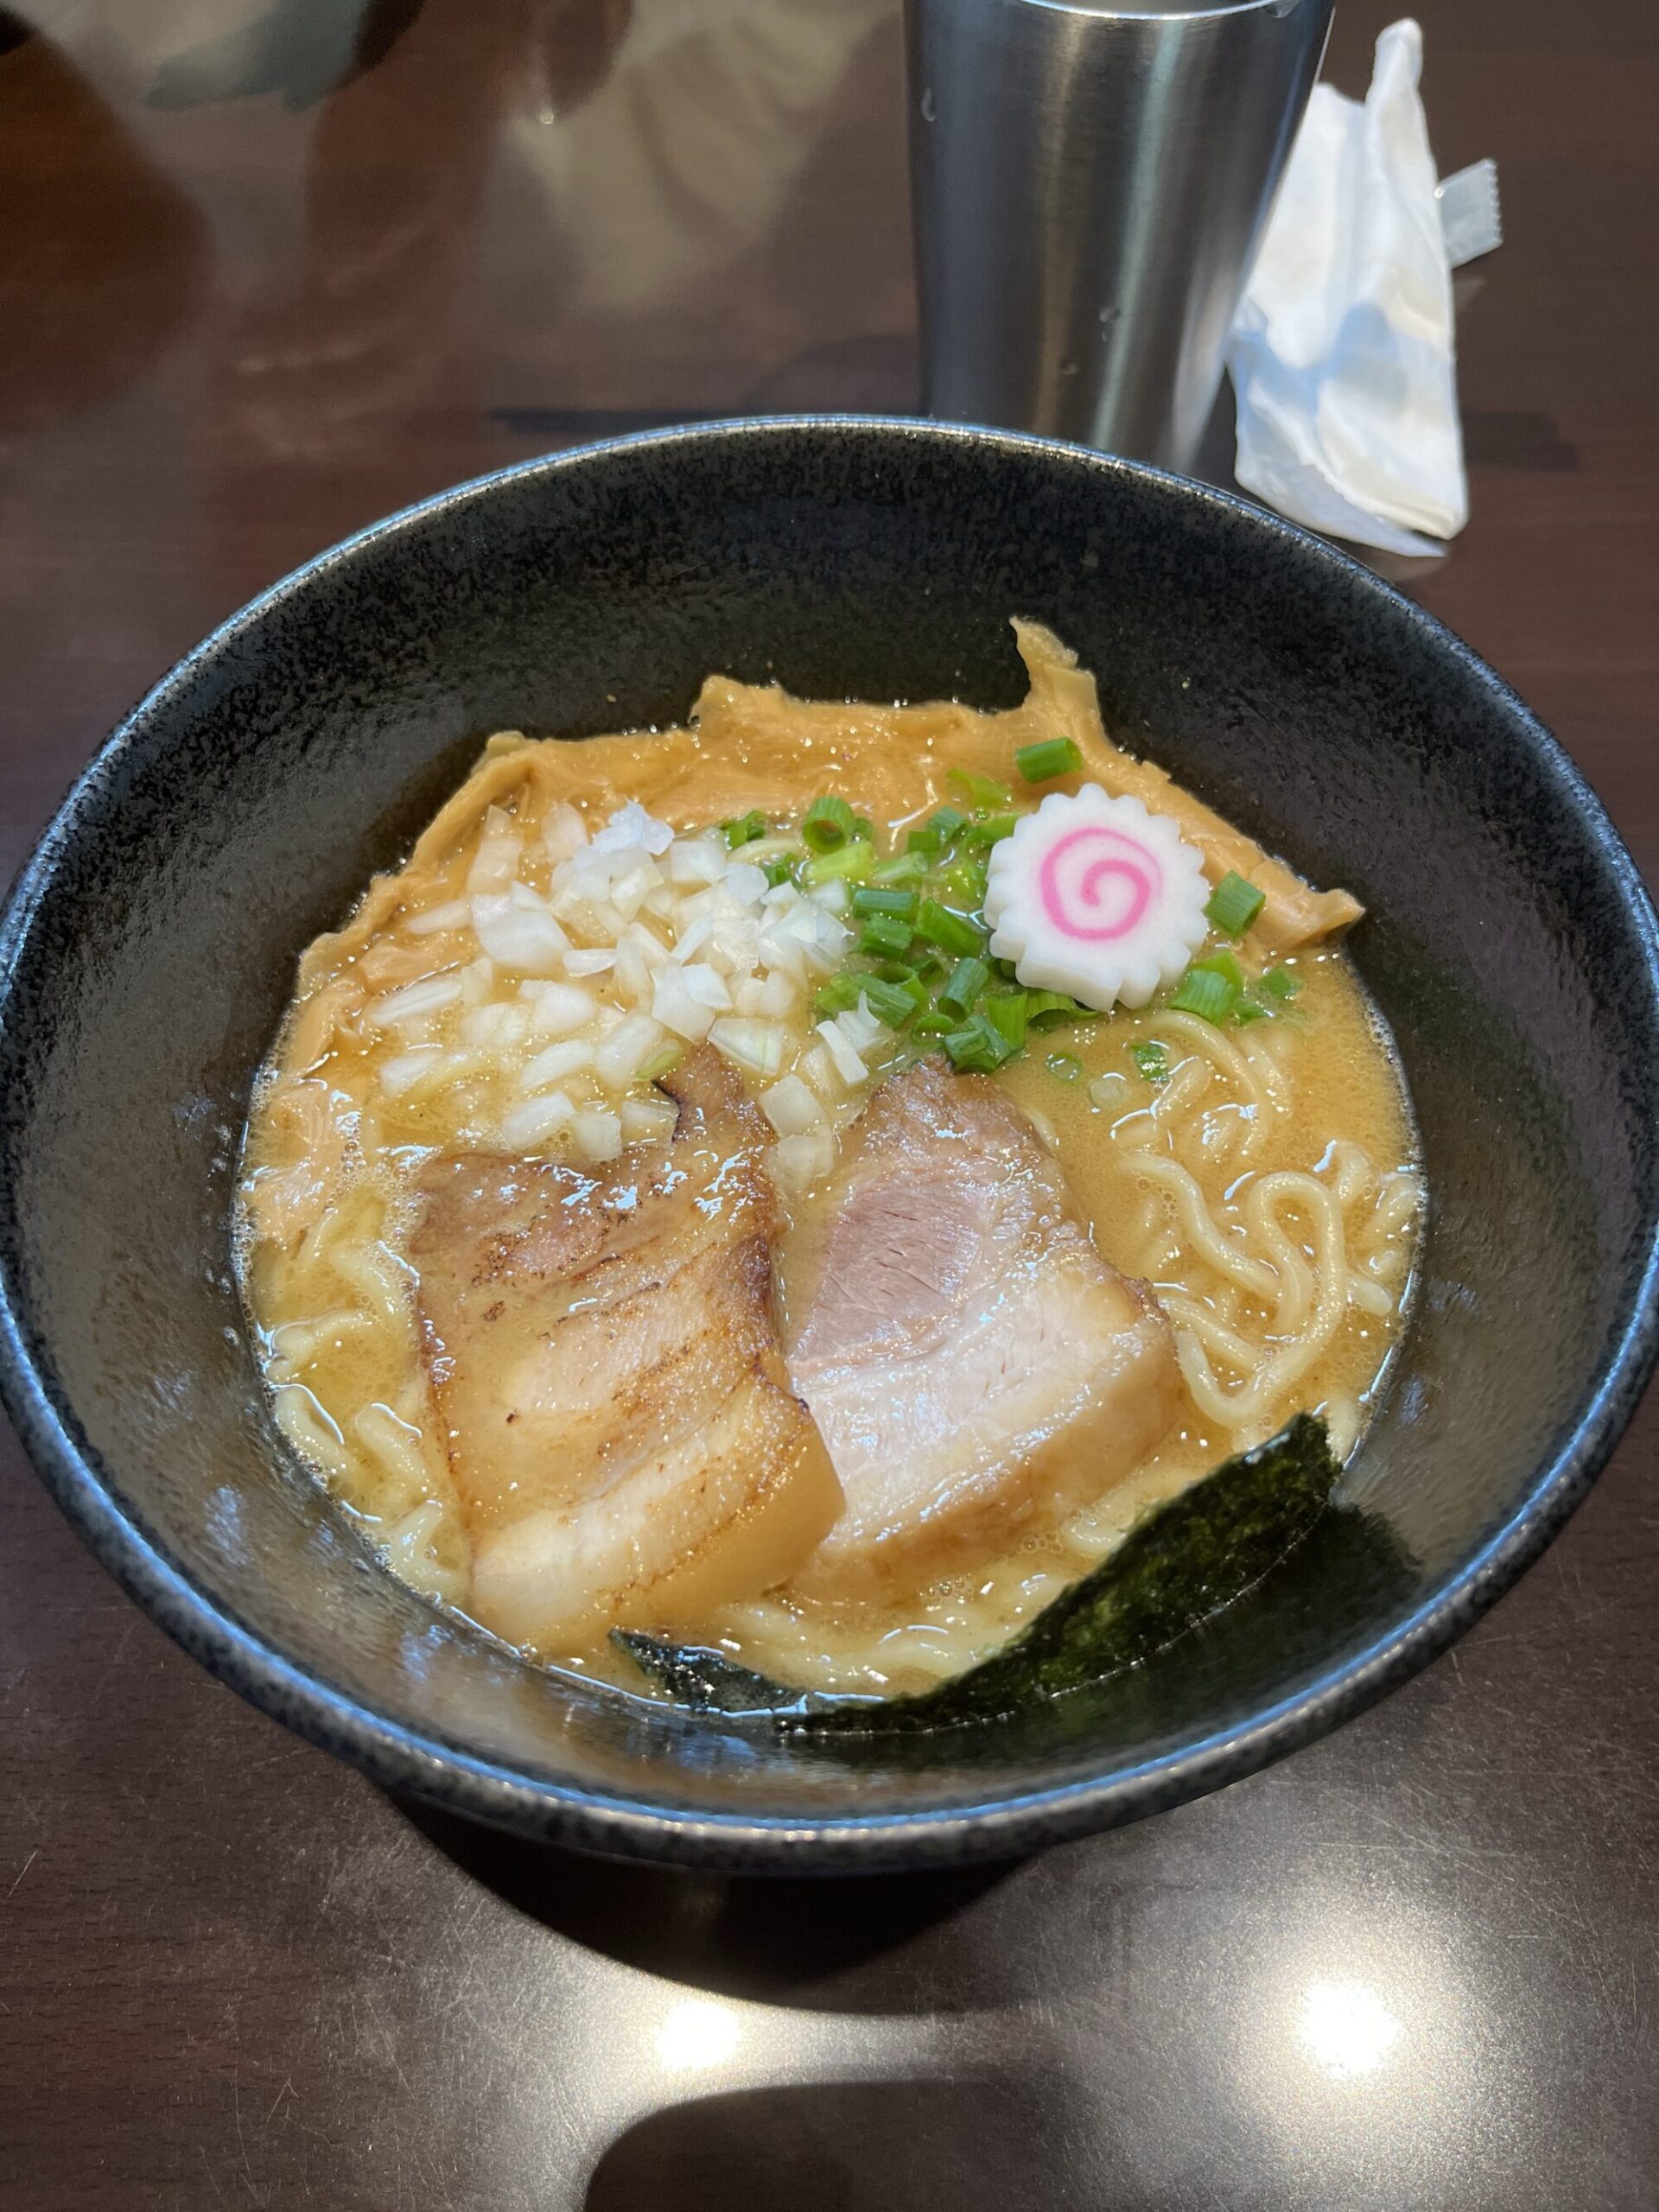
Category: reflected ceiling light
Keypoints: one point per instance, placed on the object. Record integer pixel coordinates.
(696, 2033)
(1347, 2028)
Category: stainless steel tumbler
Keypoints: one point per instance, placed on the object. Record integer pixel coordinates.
(1090, 184)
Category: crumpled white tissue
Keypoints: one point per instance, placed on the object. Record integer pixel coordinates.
(1343, 356)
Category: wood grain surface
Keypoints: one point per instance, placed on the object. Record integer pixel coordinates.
(271, 268)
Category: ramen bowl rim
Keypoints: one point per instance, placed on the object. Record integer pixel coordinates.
(1004, 1825)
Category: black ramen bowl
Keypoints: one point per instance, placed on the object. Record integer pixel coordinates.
(149, 946)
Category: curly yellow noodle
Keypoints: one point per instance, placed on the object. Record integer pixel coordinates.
(1206, 1237)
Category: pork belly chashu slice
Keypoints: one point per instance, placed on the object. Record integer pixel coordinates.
(606, 1365)
(976, 1368)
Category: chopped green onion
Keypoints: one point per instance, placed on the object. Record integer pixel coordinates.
(979, 790)
(968, 979)
(829, 823)
(963, 884)
(1280, 983)
(903, 868)
(1204, 992)
(852, 863)
(978, 1046)
(902, 903)
(1151, 1059)
(1050, 1008)
(1233, 905)
(991, 830)
(1051, 757)
(893, 1003)
(838, 995)
(934, 1025)
(1008, 1013)
(953, 933)
(1225, 964)
(935, 834)
(884, 933)
(744, 828)
(1066, 1067)
(863, 828)
(777, 871)
(665, 1058)
(1247, 1011)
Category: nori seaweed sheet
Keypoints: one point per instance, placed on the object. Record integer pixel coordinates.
(1180, 1565)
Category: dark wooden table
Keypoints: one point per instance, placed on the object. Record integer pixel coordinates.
(269, 270)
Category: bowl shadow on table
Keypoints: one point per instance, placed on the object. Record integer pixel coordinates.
(978, 2143)
(773, 1941)
(827, 1945)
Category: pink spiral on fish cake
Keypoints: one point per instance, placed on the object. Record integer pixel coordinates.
(1090, 872)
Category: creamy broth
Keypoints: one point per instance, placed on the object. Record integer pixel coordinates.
(1263, 1179)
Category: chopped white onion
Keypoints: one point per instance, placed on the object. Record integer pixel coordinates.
(560, 1007)
(630, 892)
(555, 1065)
(534, 1120)
(632, 976)
(404, 1070)
(582, 962)
(454, 915)
(734, 943)
(496, 861)
(791, 1108)
(696, 861)
(707, 984)
(816, 1065)
(748, 994)
(821, 938)
(458, 1067)
(599, 1136)
(496, 1028)
(588, 912)
(631, 825)
(863, 1031)
(478, 980)
(414, 1002)
(798, 1162)
(714, 904)
(778, 995)
(626, 1051)
(679, 1002)
(747, 883)
(648, 1121)
(757, 1047)
(782, 954)
(848, 1064)
(516, 929)
(647, 943)
(831, 896)
(694, 935)
(564, 832)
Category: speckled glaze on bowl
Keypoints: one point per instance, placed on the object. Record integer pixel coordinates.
(149, 947)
